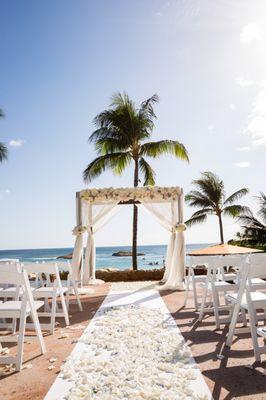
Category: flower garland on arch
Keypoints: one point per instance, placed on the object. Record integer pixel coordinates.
(136, 194)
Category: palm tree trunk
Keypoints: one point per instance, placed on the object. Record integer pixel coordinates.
(135, 221)
(221, 228)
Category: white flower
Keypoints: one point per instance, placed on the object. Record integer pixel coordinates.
(79, 230)
(137, 355)
(180, 227)
(125, 194)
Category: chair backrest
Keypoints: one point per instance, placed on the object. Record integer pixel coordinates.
(64, 265)
(42, 268)
(201, 260)
(11, 277)
(257, 265)
(9, 260)
(42, 272)
(6, 267)
(235, 261)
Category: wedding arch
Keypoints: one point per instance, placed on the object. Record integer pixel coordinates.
(95, 207)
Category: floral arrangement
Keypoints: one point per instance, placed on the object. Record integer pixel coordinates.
(132, 352)
(136, 194)
(79, 230)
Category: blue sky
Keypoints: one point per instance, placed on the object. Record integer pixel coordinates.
(62, 60)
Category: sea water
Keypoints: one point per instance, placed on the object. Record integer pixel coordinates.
(154, 256)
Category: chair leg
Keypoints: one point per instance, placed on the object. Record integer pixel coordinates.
(244, 318)
(187, 288)
(203, 302)
(53, 312)
(22, 324)
(38, 330)
(254, 336)
(67, 299)
(77, 297)
(216, 304)
(232, 325)
(64, 307)
(14, 325)
(195, 294)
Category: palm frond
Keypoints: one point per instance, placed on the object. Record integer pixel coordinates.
(110, 145)
(156, 149)
(207, 211)
(3, 152)
(211, 186)
(1, 113)
(262, 202)
(147, 171)
(250, 220)
(197, 199)
(235, 210)
(112, 124)
(196, 220)
(121, 162)
(146, 110)
(236, 196)
(116, 161)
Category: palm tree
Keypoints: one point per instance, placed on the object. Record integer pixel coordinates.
(120, 138)
(254, 229)
(209, 196)
(3, 148)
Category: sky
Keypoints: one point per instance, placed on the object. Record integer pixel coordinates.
(60, 62)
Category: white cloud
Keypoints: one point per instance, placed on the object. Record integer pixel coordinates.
(250, 33)
(210, 127)
(16, 142)
(3, 193)
(244, 82)
(159, 14)
(242, 164)
(244, 148)
(256, 126)
(232, 106)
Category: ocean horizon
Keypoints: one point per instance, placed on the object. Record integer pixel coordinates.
(154, 255)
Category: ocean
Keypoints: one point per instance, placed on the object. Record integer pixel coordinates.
(153, 258)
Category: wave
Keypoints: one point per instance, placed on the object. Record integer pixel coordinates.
(42, 258)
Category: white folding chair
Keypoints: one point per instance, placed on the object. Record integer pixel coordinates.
(193, 279)
(20, 309)
(71, 283)
(49, 290)
(250, 300)
(9, 291)
(9, 260)
(216, 286)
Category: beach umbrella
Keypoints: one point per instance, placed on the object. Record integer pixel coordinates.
(222, 250)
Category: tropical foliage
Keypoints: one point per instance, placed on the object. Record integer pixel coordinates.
(121, 137)
(3, 148)
(253, 233)
(210, 198)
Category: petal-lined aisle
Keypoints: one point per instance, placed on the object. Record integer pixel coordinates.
(131, 350)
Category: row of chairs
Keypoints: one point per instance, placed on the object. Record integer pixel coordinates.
(242, 292)
(32, 291)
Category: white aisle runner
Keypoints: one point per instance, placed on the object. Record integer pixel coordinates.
(149, 299)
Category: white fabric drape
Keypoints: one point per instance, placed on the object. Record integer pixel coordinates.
(169, 219)
(77, 257)
(93, 224)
